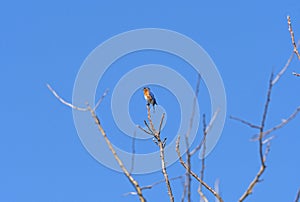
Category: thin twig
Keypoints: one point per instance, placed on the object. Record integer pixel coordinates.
(245, 122)
(194, 174)
(188, 176)
(194, 105)
(133, 152)
(283, 70)
(184, 190)
(203, 157)
(150, 120)
(161, 144)
(149, 133)
(266, 141)
(217, 187)
(153, 185)
(202, 196)
(298, 196)
(100, 128)
(101, 99)
(161, 123)
(262, 154)
(263, 121)
(252, 184)
(146, 124)
(161, 181)
(212, 120)
(64, 102)
(283, 122)
(164, 169)
(208, 128)
(293, 37)
(188, 179)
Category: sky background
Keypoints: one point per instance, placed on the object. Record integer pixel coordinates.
(47, 42)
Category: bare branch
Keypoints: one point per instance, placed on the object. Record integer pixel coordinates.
(119, 161)
(202, 196)
(266, 141)
(187, 185)
(133, 152)
(101, 99)
(298, 196)
(153, 185)
(97, 121)
(161, 144)
(210, 125)
(161, 123)
(145, 130)
(262, 153)
(194, 106)
(146, 124)
(150, 120)
(263, 121)
(268, 148)
(217, 187)
(204, 147)
(252, 184)
(283, 122)
(65, 102)
(283, 70)
(212, 120)
(293, 36)
(161, 181)
(194, 174)
(203, 158)
(164, 169)
(245, 122)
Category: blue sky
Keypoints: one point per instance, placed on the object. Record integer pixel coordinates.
(47, 42)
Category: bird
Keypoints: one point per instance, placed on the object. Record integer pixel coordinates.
(149, 97)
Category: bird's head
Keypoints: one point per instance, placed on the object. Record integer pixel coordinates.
(146, 89)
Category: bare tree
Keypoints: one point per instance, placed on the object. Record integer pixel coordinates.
(263, 138)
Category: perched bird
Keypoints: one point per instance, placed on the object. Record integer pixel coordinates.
(149, 97)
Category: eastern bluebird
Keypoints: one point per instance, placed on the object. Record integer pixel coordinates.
(149, 97)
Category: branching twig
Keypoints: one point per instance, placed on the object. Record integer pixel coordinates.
(262, 154)
(194, 174)
(119, 161)
(262, 133)
(283, 122)
(293, 36)
(100, 128)
(161, 144)
(153, 185)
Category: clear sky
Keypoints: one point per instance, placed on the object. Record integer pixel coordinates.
(42, 157)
